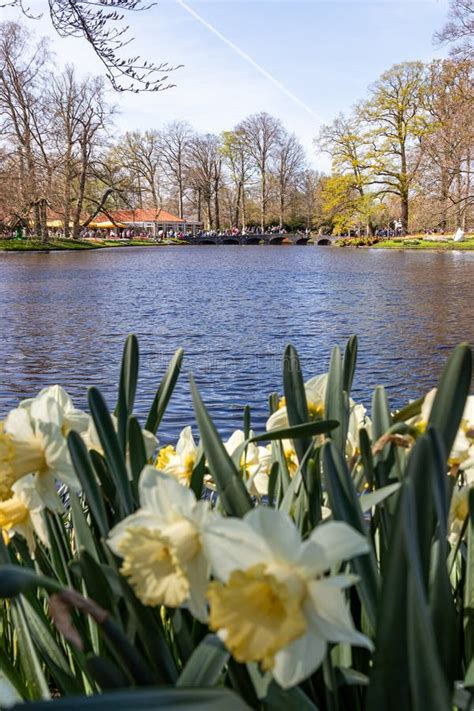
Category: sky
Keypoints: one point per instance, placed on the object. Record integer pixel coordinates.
(303, 61)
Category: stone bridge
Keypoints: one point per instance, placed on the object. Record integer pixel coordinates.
(267, 239)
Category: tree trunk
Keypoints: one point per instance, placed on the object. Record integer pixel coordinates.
(404, 215)
(459, 211)
(235, 220)
(199, 205)
(217, 215)
(154, 197)
(37, 220)
(80, 195)
(44, 220)
(468, 188)
(444, 200)
(404, 189)
(209, 213)
(282, 207)
(180, 195)
(67, 206)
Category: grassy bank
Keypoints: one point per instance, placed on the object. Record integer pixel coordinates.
(414, 243)
(439, 243)
(33, 245)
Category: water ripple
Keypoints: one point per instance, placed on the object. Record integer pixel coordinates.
(64, 317)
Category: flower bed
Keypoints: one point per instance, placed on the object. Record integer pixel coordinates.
(326, 563)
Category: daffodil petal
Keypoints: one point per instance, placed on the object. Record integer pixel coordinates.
(18, 424)
(339, 541)
(186, 443)
(142, 518)
(277, 529)
(299, 659)
(277, 420)
(231, 544)
(198, 576)
(329, 613)
(163, 495)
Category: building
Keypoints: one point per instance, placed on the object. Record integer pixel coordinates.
(147, 221)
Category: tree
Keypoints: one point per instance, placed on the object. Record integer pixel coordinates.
(310, 187)
(140, 155)
(289, 160)
(95, 115)
(446, 170)
(345, 208)
(459, 29)
(22, 71)
(78, 114)
(261, 134)
(205, 164)
(347, 144)
(238, 162)
(174, 149)
(100, 23)
(397, 124)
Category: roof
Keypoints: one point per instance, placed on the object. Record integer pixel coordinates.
(107, 225)
(139, 215)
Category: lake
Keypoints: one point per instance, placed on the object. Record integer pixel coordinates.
(64, 317)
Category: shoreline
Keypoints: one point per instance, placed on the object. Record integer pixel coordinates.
(444, 243)
(426, 246)
(34, 246)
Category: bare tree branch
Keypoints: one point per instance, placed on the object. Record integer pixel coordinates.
(101, 23)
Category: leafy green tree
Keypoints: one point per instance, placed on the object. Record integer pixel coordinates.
(396, 126)
(347, 194)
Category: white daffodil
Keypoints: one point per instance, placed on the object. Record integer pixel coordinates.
(274, 601)
(468, 467)
(357, 419)
(255, 462)
(315, 390)
(179, 462)
(291, 457)
(33, 440)
(465, 436)
(162, 544)
(92, 440)
(9, 696)
(467, 422)
(23, 513)
(427, 406)
(72, 418)
(460, 450)
(458, 512)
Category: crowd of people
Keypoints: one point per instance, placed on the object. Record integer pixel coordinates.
(247, 231)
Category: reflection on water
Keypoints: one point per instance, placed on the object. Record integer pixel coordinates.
(64, 317)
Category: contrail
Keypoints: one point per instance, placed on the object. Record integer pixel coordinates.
(250, 60)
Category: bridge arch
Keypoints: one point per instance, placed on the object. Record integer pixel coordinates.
(253, 239)
(207, 240)
(324, 242)
(230, 240)
(277, 239)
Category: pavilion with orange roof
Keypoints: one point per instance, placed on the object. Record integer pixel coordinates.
(149, 220)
